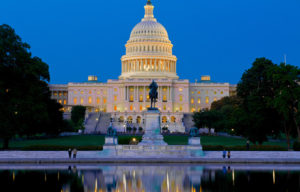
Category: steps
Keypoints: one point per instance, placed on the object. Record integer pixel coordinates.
(103, 123)
(91, 123)
(97, 123)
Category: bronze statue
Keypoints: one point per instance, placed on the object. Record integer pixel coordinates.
(194, 132)
(153, 93)
(111, 132)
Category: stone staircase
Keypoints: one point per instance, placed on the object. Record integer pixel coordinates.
(91, 123)
(188, 121)
(103, 123)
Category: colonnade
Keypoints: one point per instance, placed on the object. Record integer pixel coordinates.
(137, 91)
(155, 65)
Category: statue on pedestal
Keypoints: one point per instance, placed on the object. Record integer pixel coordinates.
(153, 93)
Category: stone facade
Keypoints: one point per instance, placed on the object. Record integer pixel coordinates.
(148, 56)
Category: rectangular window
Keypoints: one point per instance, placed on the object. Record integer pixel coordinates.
(192, 100)
(164, 98)
(131, 98)
(207, 100)
(115, 98)
(141, 99)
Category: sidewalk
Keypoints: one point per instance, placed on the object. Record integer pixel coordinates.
(282, 157)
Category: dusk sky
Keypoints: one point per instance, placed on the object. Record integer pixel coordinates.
(221, 38)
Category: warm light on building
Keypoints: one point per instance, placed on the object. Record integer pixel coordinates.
(92, 78)
(205, 78)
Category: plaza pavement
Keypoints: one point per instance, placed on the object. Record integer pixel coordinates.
(281, 157)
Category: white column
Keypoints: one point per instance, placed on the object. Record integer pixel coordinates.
(144, 94)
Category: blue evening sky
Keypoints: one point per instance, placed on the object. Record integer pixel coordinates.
(221, 38)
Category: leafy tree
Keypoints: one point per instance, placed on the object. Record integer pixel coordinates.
(255, 88)
(285, 79)
(25, 104)
(77, 116)
(207, 119)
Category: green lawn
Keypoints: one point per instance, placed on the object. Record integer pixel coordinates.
(98, 140)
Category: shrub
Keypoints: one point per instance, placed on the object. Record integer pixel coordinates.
(60, 148)
(243, 148)
(296, 146)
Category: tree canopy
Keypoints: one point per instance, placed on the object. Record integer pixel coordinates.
(25, 104)
(267, 104)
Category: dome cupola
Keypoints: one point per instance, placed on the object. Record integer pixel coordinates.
(149, 50)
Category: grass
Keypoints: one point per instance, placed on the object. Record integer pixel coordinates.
(92, 141)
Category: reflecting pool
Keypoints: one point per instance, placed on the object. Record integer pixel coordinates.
(150, 178)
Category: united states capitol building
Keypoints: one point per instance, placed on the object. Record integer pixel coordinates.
(123, 101)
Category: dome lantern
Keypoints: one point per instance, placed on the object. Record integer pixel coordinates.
(149, 12)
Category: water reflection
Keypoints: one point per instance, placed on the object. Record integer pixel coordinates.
(171, 178)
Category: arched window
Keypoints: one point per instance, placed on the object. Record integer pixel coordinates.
(90, 100)
(199, 101)
(131, 108)
(81, 100)
(75, 101)
(104, 100)
(164, 119)
(115, 108)
(98, 100)
(129, 119)
(173, 119)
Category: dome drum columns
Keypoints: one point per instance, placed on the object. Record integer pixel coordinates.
(149, 65)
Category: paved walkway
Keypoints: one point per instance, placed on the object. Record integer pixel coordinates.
(52, 157)
(96, 154)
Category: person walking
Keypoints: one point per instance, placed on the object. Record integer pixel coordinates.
(70, 153)
(74, 153)
(248, 145)
(228, 154)
(224, 154)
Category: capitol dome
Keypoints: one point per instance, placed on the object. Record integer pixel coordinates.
(149, 50)
(150, 30)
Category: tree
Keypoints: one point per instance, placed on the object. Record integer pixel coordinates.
(285, 79)
(255, 88)
(25, 104)
(78, 114)
(207, 119)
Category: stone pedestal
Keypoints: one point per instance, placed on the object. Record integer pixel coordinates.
(194, 141)
(111, 141)
(152, 134)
